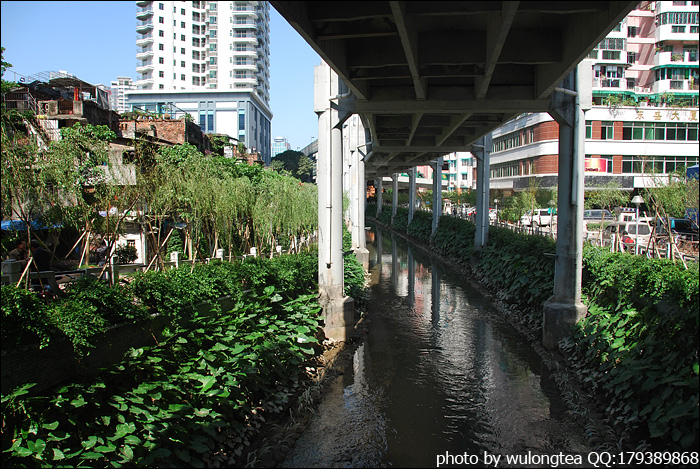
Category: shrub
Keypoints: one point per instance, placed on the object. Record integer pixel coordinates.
(126, 254)
(79, 321)
(24, 318)
(115, 304)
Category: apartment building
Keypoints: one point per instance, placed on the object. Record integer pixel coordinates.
(209, 60)
(118, 101)
(644, 120)
(460, 170)
(279, 145)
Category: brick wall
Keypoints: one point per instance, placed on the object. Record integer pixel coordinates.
(547, 164)
(547, 131)
(596, 130)
(617, 164)
(617, 130)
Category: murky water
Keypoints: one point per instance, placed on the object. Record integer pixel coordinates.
(440, 373)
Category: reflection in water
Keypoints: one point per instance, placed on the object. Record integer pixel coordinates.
(438, 372)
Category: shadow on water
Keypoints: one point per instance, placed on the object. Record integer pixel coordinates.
(439, 372)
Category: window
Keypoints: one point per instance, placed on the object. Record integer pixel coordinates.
(161, 19)
(161, 6)
(161, 34)
(161, 60)
(160, 87)
(182, 50)
(161, 74)
(611, 55)
(677, 29)
(589, 129)
(612, 43)
(182, 11)
(631, 31)
(606, 131)
(160, 46)
(182, 24)
(693, 29)
(182, 77)
(212, 74)
(195, 55)
(182, 37)
(212, 19)
(182, 64)
(593, 54)
(212, 60)
(631, 57)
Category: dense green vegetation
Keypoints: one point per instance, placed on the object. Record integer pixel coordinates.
(204, 389)
(638, 345)
(198, 396)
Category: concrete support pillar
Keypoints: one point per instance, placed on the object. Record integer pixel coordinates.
(378, 186)
(482, 151)
(394, 195)
(338, 309)
(564, 309)
(411, 194)
(411, 278)
(358, 198)
(437, 195)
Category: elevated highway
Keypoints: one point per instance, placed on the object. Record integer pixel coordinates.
(431, 78)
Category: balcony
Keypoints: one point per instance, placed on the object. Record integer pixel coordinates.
(144, 84)
(144, 39)
(665, 32)
(143, 26)
(144, 12)
(144, 53)
(144, 66)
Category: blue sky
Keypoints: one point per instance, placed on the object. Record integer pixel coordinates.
(96, 41)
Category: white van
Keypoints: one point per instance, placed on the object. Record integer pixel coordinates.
(541, 217)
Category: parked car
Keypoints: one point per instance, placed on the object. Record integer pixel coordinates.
(597, 216)
(627, 231)
(540, 217)
(682, 227)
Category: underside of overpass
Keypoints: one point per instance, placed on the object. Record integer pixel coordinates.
(430, 78)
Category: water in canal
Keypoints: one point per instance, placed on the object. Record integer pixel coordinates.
(439, 373)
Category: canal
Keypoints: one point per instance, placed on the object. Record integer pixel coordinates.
(438, 374)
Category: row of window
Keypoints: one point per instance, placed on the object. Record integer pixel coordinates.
(513, 140)
(675, 74)
(672, 131)
(630, 165)
(673, 17)
(681, 29)
(655, 164)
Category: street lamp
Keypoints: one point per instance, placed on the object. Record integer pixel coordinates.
(495, 201)
(636, 200)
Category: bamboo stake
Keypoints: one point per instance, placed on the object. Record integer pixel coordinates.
(161, 247)
(76, 243)
(26, 268)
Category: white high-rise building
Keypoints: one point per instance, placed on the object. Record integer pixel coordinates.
(118, 97)
(210, 60)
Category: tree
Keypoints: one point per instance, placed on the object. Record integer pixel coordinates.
(296, 163)
(306, 169)
(6, 85)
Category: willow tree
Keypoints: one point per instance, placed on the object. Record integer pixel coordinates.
(27, 190)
